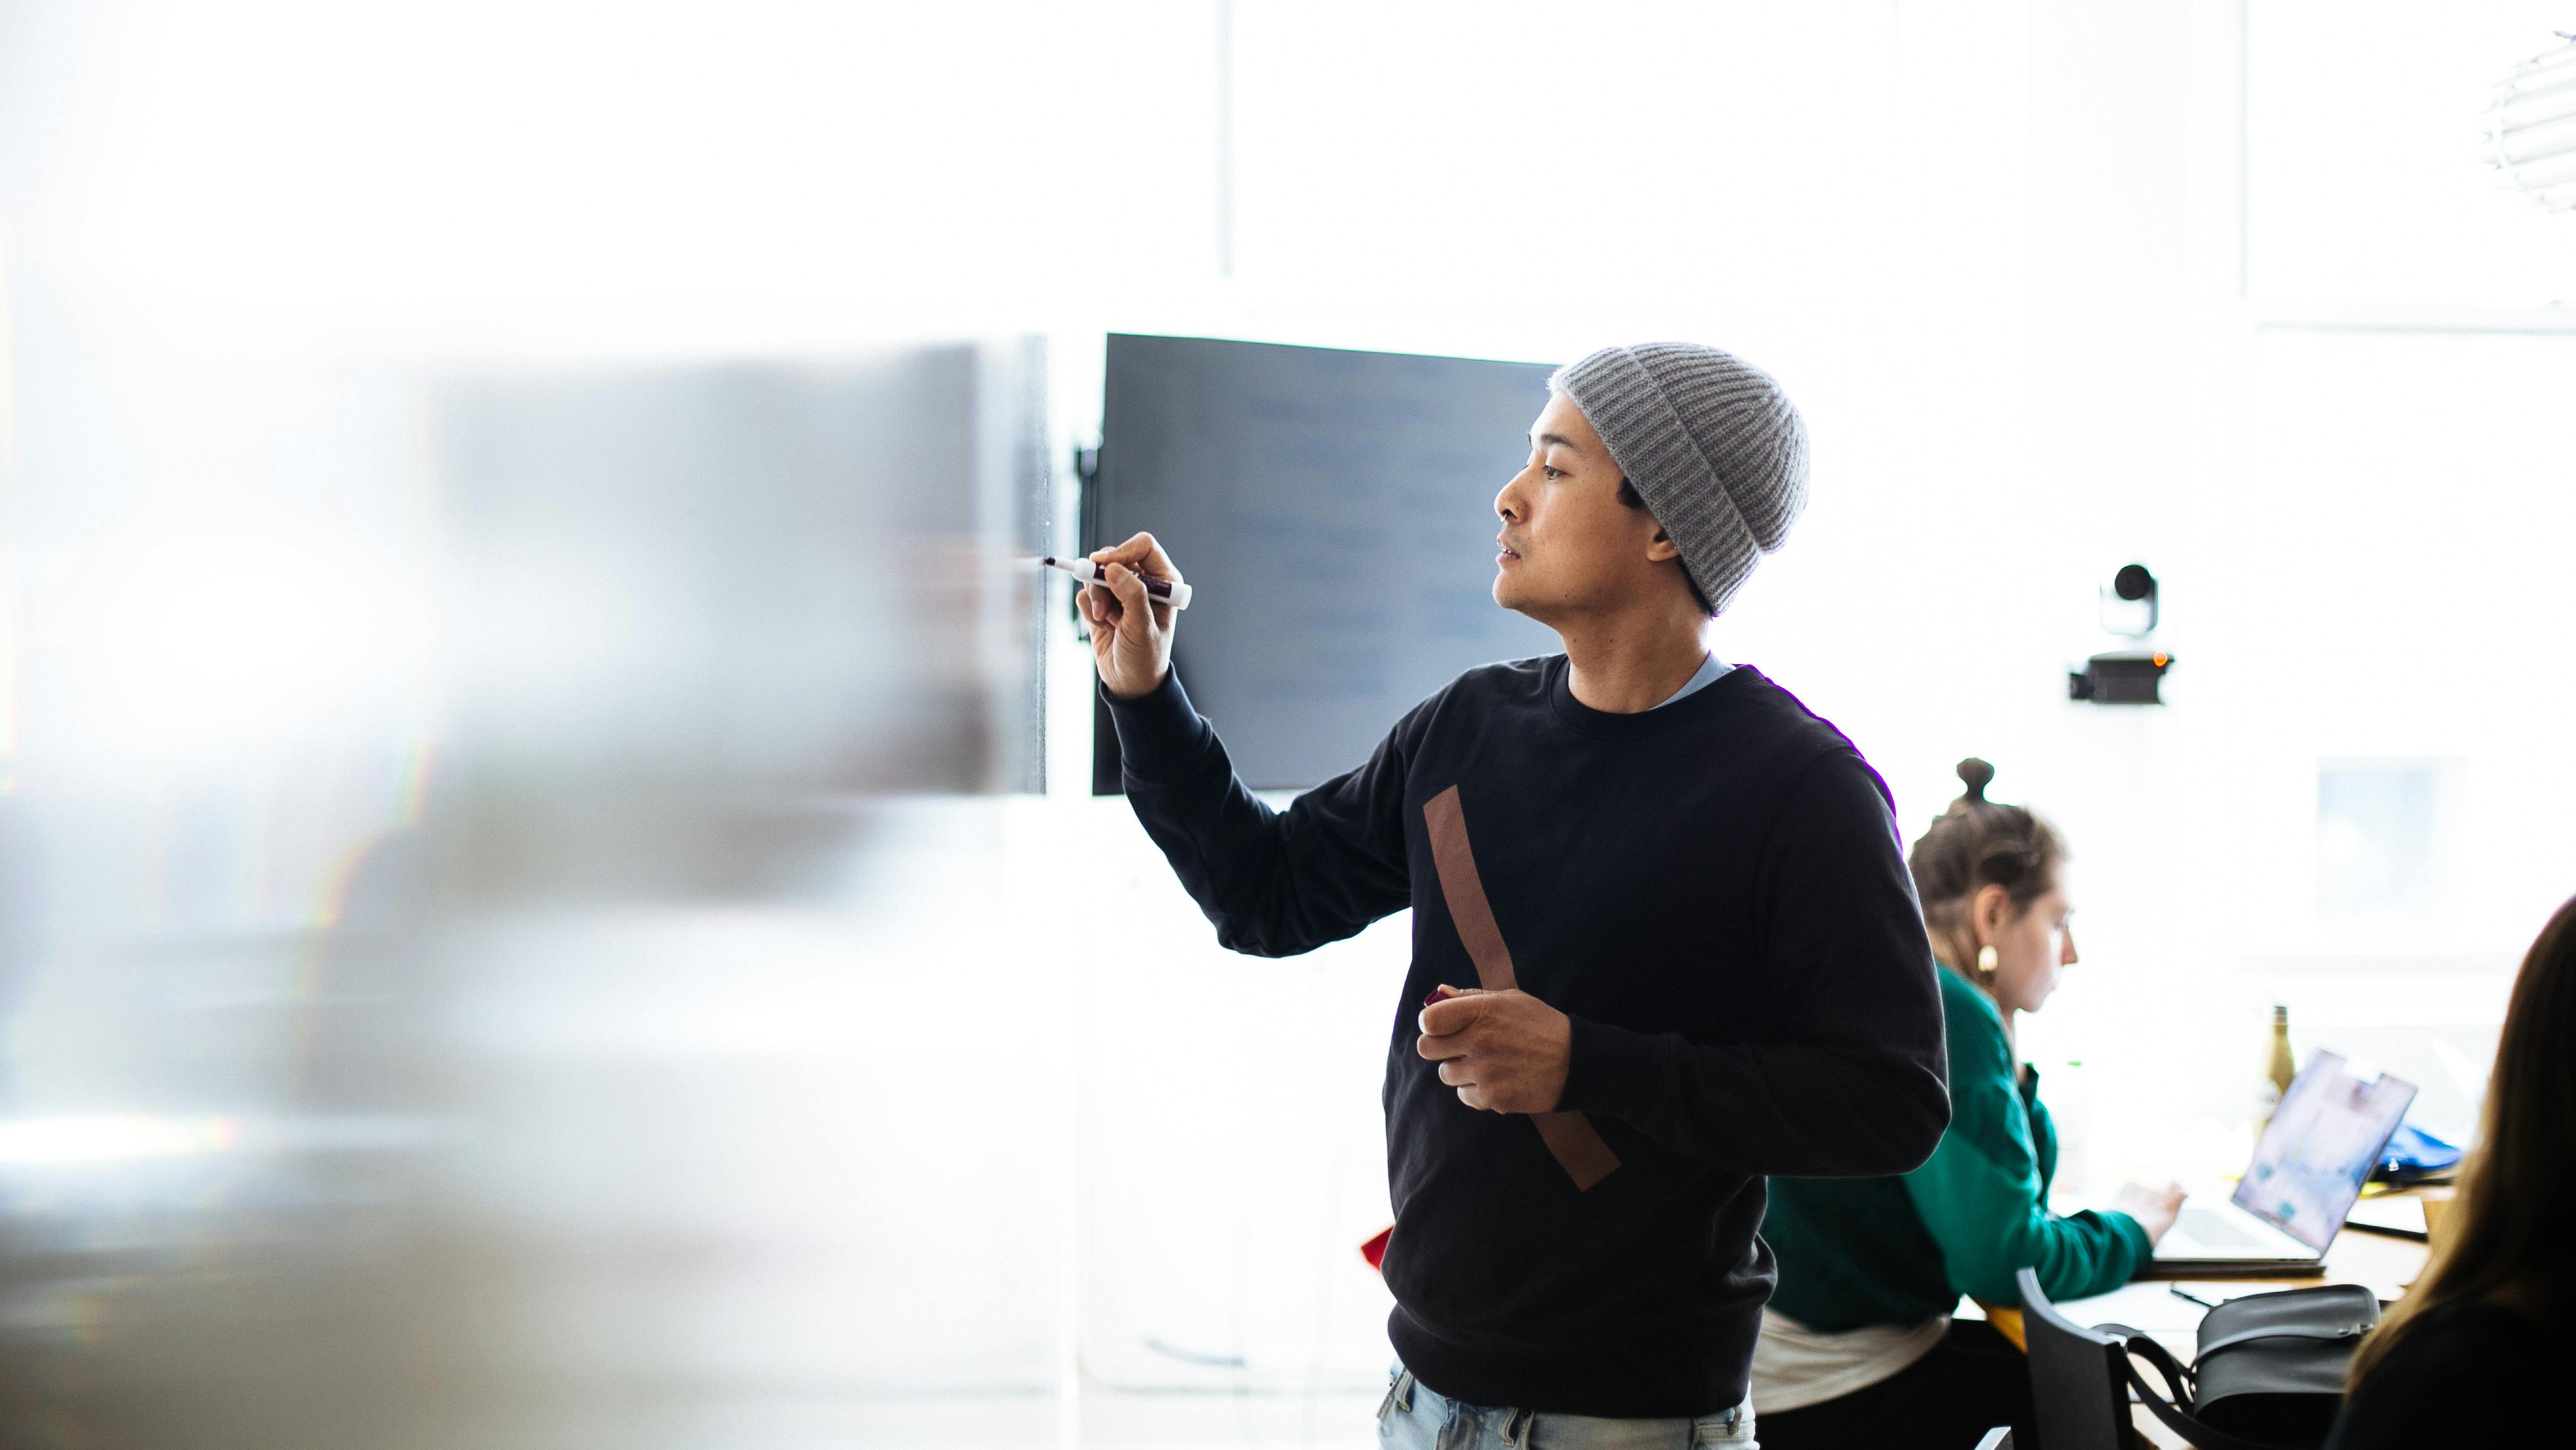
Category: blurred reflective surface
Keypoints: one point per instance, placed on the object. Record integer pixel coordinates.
(495, 996)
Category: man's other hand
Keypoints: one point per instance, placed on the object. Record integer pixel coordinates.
(1505, 1052)
(1131, 632)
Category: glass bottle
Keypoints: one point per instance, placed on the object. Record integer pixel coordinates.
(2278, 1070)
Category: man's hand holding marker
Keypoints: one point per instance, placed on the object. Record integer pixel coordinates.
(1505, 1052)
(1131, 631)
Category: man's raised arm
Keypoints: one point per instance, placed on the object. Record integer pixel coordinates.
(1275, 884)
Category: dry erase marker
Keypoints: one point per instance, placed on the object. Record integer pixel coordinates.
(1169, 591)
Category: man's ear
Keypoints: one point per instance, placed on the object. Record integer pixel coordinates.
(1663, 548)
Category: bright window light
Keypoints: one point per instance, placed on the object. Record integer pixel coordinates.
(113, 1138)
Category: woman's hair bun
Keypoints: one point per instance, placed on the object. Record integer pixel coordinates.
(1974, 774)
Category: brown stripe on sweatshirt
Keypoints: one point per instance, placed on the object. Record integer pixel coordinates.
(1570, 1137)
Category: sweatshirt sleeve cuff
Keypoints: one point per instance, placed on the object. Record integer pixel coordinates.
(2132, 1233)
(1610, 1069)
(1158, 731)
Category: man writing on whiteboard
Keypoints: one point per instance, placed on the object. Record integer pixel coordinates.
(1664, 942)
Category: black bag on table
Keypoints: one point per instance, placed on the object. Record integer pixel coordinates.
(2269, 1371)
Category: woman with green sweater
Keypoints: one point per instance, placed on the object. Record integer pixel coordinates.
(1857, 1346)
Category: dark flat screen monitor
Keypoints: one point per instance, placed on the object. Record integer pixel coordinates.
(1334, 514)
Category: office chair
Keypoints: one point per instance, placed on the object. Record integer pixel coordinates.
(2079, 1387)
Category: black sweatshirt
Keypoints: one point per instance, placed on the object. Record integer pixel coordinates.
(1712, 890)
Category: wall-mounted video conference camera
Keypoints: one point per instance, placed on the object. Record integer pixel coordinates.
(2129, 676)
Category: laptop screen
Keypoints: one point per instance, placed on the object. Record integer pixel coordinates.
(2318, 1149)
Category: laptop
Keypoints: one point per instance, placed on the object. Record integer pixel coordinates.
(2319, 1148)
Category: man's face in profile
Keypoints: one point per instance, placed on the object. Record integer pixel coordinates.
(1568, 544)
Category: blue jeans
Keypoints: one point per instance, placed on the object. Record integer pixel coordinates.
(1414, 1416)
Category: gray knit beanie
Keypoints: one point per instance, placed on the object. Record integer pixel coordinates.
(1708, 441)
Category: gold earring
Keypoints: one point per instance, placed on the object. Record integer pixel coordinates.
(1986, 960)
